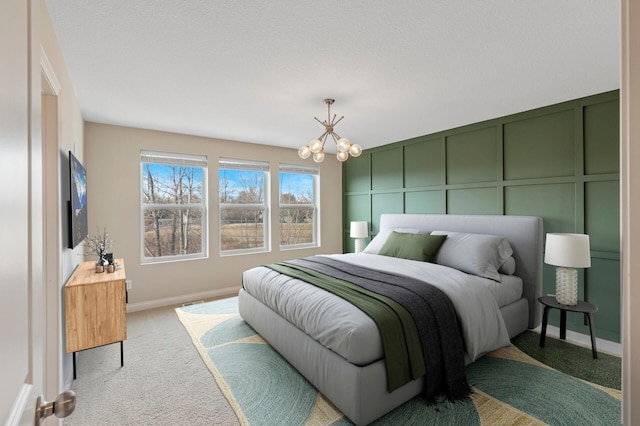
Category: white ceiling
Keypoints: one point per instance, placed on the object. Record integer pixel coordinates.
(258, 71)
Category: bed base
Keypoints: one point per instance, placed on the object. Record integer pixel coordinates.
(359, 392)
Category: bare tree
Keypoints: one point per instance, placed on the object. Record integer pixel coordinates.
(150, 194)
(177, 188)
(242, 224)
(296, 222)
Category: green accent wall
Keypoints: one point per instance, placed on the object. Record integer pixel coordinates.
(559, 162)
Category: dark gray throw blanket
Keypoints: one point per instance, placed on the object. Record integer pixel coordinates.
(432, 311)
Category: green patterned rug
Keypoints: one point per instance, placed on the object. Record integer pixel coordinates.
(510, 388)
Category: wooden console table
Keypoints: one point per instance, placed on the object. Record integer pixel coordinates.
(95, 309)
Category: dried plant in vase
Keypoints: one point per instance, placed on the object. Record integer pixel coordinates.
(98, 245)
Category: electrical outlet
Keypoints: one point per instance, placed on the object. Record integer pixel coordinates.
(129, 284)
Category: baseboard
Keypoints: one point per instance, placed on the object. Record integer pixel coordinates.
(584, 340)
(572, 336)
(183, 298)
(21, 405)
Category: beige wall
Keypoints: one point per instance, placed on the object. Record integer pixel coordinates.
(112, 160)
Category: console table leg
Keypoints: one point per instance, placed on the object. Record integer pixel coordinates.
(74, 366)
(563, 324)
(121, 353)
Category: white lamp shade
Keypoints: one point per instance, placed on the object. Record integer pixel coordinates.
(359, 230)
(568, 250)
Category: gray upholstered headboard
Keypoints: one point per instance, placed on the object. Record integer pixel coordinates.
(523, 232)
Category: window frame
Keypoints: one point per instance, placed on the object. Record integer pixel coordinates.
(314, 171)
(225, 163)
(175, 160)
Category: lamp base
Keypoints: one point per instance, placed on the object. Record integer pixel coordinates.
(566, 286)
(359, 244)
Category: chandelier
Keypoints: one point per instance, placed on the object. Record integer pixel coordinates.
(316, 146)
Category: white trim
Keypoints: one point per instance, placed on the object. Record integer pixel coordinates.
(53, 338)
(584, 340)
(20, 406)
(47, 70)
(184, 298)
(630, 207)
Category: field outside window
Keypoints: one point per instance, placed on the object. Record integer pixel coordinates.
(244, 213)
(298, 206)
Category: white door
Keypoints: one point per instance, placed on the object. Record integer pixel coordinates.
(21, 234)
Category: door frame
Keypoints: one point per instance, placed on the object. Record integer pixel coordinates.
(52, 241)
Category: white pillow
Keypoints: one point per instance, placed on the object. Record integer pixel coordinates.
(476, 254)
(411, 231)
(377, 242)
(508, 267)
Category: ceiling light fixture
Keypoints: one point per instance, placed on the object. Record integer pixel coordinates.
(316, 146)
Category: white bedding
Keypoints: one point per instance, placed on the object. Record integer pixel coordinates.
(346, 330)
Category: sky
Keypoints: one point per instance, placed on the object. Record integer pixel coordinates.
(295, 183)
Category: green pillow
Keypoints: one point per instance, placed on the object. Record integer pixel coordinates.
(422, 247)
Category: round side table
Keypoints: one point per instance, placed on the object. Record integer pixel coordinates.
(583, 307)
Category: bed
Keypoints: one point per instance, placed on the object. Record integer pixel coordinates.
(337, 347)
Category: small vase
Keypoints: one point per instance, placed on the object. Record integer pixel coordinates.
(99, 268)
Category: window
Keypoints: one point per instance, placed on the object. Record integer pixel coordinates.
(174, 206)
(298, 206)
(244, 201)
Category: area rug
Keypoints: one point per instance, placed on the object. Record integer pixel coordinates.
(509, 387)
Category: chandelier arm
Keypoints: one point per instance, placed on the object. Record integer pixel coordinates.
(333, 135)
(323, 123)
(340, 119)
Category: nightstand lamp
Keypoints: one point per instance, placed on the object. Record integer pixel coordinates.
(359, 231)
(567, 252)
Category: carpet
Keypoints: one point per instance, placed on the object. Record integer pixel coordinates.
(510, 388)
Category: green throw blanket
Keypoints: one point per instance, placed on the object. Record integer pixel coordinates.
(417, 322)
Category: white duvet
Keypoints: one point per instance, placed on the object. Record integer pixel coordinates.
(346, 330)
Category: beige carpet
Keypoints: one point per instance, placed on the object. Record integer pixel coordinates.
(163, 381)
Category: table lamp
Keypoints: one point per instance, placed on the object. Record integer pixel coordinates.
(359, 231)
(567, 252)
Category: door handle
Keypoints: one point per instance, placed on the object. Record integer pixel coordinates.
(63, 405)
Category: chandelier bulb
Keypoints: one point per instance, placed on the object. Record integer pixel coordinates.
(342, 155)
(355, 150)
(343, 144)
(315, 145)
(304, 152)
(318, 157)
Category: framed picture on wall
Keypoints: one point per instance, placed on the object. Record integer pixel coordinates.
(78, 204)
